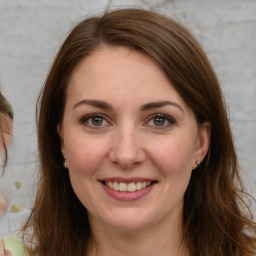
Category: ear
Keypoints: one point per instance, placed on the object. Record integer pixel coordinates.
(202, 143)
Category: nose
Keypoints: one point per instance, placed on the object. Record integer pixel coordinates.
(127, 149)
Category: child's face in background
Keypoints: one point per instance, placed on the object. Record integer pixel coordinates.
(6, 127)
(5, 138)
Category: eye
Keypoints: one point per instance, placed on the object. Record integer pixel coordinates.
(94, 120)
(160, 121)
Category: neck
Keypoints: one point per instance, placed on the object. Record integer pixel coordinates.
(155, 241)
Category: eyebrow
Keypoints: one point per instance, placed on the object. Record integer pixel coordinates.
(148, 106)
(94, 103)
(160, 104)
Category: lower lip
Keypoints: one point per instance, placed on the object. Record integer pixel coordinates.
(127, 196)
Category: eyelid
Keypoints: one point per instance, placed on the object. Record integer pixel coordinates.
(170, 119)
(85, 118)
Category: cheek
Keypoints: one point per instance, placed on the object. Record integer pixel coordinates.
(85, 154)
(173, 156)
(84, 160)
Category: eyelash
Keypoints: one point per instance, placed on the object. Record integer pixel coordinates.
(165, 118)
(89, 118)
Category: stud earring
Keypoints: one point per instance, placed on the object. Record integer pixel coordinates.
(198, 162)
(65, 163)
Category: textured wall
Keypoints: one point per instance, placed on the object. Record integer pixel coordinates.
(31, 32)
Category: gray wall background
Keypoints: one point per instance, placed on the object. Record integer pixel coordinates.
(32, 31)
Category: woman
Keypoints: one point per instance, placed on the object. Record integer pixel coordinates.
(135, 147)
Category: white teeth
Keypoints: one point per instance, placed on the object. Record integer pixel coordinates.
(132, 187)
(115, 185)
(123, 186)
(138, 185)
(127, 187)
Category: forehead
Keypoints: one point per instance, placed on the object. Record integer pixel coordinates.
(120, 61)
(118, 72)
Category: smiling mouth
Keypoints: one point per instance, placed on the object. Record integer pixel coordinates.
(128, 187)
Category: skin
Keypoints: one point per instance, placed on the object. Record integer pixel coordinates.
(6, 123)
(4, 202)
(4, 252)
(129, 90)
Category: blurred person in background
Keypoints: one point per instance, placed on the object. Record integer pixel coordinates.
(6, 121)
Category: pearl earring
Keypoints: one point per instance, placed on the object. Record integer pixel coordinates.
(198, 162)
(65, 163)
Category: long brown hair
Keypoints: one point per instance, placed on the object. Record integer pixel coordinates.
(216, 219)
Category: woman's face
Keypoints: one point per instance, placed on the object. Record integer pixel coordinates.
(129, 140)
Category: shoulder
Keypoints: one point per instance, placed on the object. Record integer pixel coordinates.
(15, 246)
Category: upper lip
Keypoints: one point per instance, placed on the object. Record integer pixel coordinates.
(127, 180)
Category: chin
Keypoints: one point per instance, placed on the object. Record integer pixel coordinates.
(129, 222)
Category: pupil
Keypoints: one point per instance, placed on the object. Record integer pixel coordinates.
(97, 121)
(159, 121)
